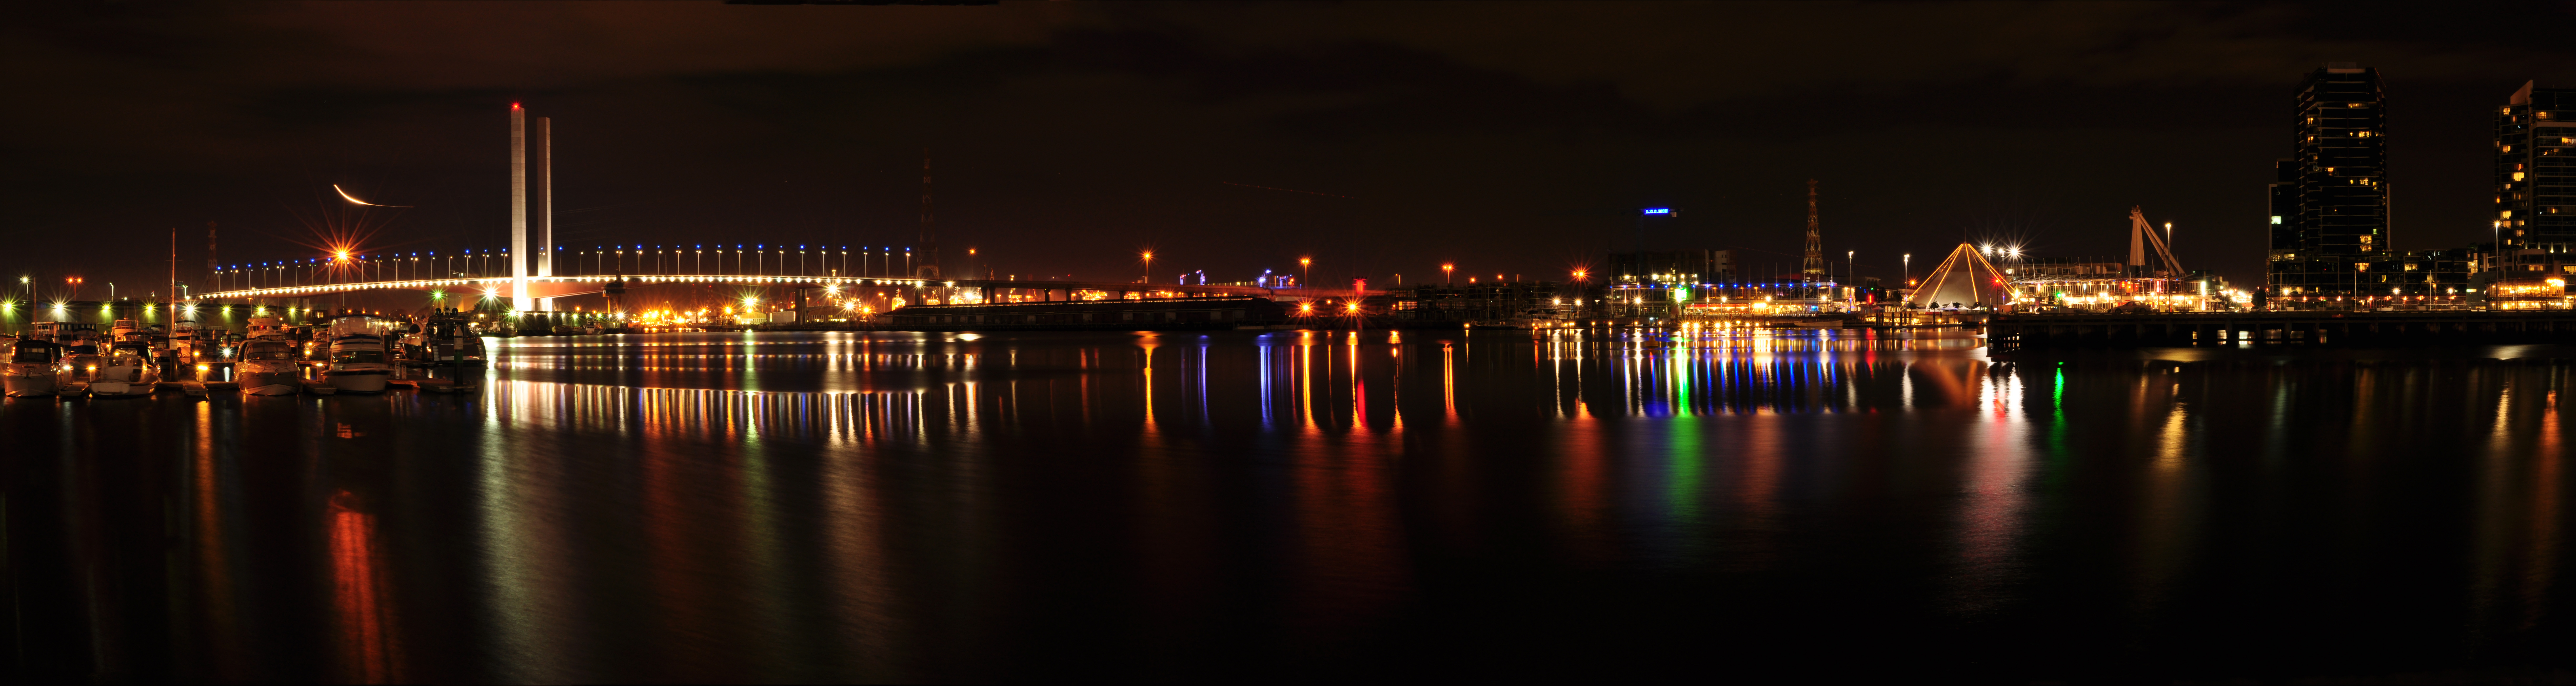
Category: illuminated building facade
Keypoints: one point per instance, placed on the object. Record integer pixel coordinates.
(2330, 199)
(2535, 177)
(1672, 266)
(2429, 276)
(1490, 302)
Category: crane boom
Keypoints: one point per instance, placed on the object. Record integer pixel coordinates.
(2143, 235)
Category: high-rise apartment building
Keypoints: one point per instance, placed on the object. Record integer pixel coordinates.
(2535, 172)
(2330, 199)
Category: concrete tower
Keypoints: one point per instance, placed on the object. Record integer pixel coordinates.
(541, 201)
(213, 272)
(530, 206)
(519, 209)
(929, 266)
(1815, 265)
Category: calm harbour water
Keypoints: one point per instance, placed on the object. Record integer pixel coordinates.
(902, 506)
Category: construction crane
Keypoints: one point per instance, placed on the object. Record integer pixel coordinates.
(2142, 235)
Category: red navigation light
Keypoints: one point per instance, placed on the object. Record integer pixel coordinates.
(514, 106)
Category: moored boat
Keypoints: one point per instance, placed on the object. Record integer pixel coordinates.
(127, 372)
(359, 363)
(81, 363)
(448, 352)
(33, 369)
(268, 366)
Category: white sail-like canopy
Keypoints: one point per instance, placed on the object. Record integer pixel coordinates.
(1966, 278)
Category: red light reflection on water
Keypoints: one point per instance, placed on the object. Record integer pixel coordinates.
(370, 653)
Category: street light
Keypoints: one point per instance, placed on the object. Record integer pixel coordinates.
(1445, 269)
(1149, 265)
(1305, 268)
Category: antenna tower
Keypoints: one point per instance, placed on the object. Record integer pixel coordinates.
(1815, 266)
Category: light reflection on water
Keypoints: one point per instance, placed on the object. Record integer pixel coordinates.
(838, 507)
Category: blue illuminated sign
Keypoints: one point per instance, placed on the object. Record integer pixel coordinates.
(1659, 210)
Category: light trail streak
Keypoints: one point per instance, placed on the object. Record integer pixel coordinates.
(352, 198)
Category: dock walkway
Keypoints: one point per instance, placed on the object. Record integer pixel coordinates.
(2316, 328)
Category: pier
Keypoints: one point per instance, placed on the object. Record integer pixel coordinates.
(2007, 331)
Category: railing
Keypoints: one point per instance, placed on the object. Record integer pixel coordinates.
(492, 284)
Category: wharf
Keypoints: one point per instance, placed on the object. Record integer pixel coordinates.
(2007, 331)
(1159, 313)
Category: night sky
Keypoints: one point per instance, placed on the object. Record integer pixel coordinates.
(1382, 139)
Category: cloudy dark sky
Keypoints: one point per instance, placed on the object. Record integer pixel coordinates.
(1508, 138)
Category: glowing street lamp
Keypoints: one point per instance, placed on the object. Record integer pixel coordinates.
(1149, 267)
(1305, 268)
(1445, 269)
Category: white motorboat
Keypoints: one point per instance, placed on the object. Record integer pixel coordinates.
(269, 366)
(266, 326)
(34, 368)
(81, 363)
(127, 373)
(359, 363)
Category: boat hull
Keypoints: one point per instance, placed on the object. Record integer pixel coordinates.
(31, 386)
(269, 383)
(119, 389)
(358, 381)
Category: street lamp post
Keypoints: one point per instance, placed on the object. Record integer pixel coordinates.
(1305, 268)
(1149, 267)
(1445, 269)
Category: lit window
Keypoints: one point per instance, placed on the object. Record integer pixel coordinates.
(2517, 176)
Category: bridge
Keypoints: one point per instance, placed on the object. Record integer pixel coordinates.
(526, 280)
(878, 293)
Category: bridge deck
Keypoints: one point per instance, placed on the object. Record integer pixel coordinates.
(565, 286)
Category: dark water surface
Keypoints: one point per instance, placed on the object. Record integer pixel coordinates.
(848, 507)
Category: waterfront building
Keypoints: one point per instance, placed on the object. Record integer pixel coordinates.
(2059, 267)
(2330, 199)
(2430, 276)
(1488, 302)
(2535, 177)
(1671, 266)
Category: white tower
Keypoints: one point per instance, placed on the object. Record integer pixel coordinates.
(519, 209)
(528, 207)
(542, 210)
